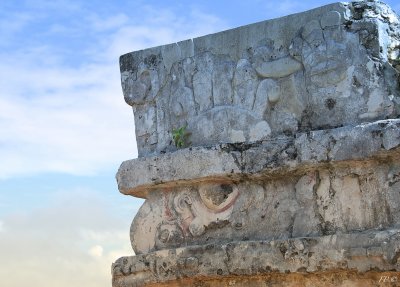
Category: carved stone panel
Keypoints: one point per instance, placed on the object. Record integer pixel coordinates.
(315, 203)
(288, 168)
(330, 69)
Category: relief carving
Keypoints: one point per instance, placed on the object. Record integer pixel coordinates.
(319, 202)
(291, 162)
(188, 212)
(273, 88)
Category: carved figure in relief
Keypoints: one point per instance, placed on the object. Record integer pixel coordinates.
(225, 96)
(313, 203)
(141, 87)
(191, 212)
(323, 52)
(280, 90)
(274, 88)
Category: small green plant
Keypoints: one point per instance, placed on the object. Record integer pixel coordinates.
(180, 137)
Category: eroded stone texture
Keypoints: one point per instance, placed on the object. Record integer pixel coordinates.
(360, 252)
(290, 175)
(325, 279)
(332, 66)
(270, 158)
(314, 203)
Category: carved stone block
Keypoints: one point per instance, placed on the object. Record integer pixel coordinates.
(325, 68)
(290, 166)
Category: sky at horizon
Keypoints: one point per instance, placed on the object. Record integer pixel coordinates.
(65, 128)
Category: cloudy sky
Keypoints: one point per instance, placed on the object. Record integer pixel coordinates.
(65, 128)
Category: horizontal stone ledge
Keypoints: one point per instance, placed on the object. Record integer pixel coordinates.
(339, 278)
(360, 252)
(275, 157)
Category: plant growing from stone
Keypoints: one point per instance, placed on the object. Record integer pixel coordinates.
(180, 136)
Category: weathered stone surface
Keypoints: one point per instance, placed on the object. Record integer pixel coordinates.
(332, 66)
(360, 252)
(323, 279)
(314, 202)
(290, 173)
(377, 140)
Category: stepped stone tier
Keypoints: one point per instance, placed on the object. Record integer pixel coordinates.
(287, 172)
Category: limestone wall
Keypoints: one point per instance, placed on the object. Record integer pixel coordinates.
(288, 168)
(325, 68)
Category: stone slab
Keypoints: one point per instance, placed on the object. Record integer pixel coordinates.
(269, 154)
(332, 66)
(233, 162)
(350, 256)
(314, 202)
(339, 278)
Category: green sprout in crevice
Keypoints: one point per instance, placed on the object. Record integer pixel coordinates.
(180, 137)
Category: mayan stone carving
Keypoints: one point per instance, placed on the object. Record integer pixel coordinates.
(290, 166)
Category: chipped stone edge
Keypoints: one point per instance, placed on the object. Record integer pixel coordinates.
(273, 158)
(178, 51)
(365, 251)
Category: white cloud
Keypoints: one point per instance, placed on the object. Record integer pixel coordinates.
(57, 116)
(160, 27)
(1, 226)
(73, 119)
(96, 251)
(70, 242)
(79, 126)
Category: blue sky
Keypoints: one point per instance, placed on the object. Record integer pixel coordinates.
(65, 128)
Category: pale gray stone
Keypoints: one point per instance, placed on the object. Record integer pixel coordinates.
(202, 88)
(332, 18)
(332, 66)
(291, 154)
(245, 84)
(358, 251)
(222, 76)
(338, 198)
(279, 68)
(270, 156)
(391, 138)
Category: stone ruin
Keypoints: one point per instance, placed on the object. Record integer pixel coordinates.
(287, 172)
